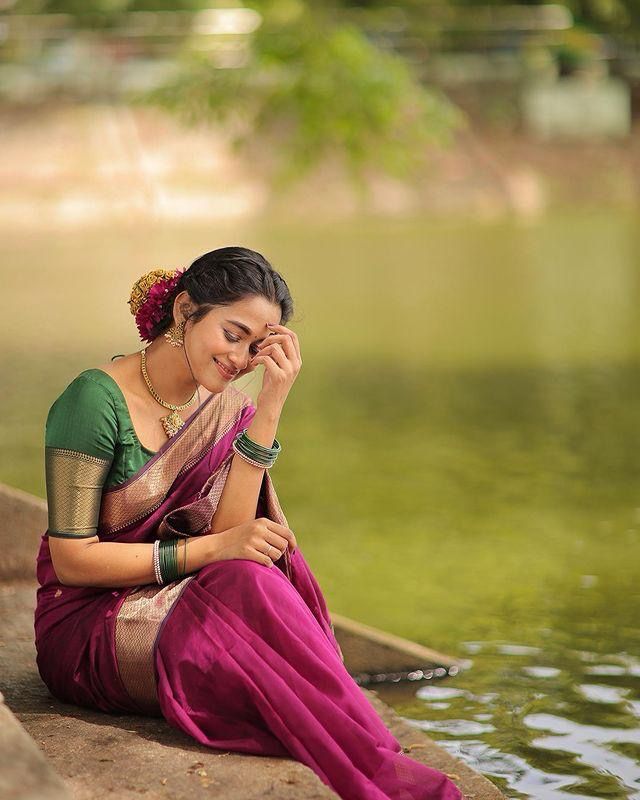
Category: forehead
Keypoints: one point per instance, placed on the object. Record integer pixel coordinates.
(253, 312)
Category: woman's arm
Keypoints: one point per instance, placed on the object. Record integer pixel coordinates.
(90, 562)
(239, 500)
(280, 354)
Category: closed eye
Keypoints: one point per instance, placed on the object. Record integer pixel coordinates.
(231, 338)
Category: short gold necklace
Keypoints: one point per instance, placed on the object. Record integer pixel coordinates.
(173, 421)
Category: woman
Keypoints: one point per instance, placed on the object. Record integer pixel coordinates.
(169, 581)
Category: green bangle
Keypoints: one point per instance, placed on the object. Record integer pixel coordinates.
(256, 453)
(173, 556)
(254, 449)
(169, 560)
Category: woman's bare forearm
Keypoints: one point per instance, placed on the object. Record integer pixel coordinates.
(239, 499)
(121, 564)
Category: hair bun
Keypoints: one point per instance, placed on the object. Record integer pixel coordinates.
(149, 298)
(142, 287)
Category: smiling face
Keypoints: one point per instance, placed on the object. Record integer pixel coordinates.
(227, 337)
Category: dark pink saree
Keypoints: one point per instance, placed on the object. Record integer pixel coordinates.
(239, 655)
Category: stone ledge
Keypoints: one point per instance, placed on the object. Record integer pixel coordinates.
(25, 773)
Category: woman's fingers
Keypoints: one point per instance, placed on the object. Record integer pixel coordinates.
(270, 365)
(277, 353)
(262, 558)
(291, 334)
(278, 542)
(281, 530)
(285, 343)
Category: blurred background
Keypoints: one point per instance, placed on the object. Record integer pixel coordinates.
(451, 191)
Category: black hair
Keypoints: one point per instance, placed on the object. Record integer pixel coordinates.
(223, 276)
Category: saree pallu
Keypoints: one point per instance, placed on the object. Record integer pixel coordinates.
(238, 655)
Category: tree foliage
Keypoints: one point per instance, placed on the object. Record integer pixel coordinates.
(313, 87)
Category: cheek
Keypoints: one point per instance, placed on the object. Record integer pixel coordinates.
(213, 345)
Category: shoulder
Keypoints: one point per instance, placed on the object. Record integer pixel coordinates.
(91, 386)
(84, 416)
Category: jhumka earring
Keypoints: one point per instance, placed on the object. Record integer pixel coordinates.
(175, 334)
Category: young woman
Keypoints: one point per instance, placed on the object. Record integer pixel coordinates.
(169, 580)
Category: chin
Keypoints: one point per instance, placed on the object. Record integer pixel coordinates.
(213, 380)
(212, 383)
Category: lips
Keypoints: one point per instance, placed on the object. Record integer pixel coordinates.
(228, 372)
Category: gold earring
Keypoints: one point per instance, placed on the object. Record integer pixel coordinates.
(175, 334)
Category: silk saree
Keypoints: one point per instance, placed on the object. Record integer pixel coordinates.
(238, 655)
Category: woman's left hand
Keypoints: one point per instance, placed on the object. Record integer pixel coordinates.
(280, 354)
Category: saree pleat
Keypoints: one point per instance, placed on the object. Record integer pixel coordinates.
(243, 664)
(238, 655)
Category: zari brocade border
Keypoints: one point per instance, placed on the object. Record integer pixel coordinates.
(144, 609)
(138, 497)
(137, 625)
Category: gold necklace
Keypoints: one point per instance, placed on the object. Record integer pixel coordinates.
(173, 421)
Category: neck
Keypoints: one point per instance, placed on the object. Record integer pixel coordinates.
(169, 372)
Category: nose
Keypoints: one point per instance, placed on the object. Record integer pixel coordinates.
(239, 358)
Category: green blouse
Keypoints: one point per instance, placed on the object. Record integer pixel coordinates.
(90, 444)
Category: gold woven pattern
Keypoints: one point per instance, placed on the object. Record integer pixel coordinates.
(144, 608)
(140, 290)
(74, 491)
(195, 517)
(134, 500)
(137, 626)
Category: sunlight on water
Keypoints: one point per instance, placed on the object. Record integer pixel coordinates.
(546, 746)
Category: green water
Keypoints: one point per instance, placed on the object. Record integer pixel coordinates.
(460, 453)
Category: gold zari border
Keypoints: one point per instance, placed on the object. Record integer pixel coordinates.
(142, 612)
(134, 500)
(75, 481)
(137, 625)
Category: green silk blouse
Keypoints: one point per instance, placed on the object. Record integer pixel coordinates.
(90, 444)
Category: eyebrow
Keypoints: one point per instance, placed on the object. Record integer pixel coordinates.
(241, 325)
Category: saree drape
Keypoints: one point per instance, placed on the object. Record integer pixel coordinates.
(238, 655)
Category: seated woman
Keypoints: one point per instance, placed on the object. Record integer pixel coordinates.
(169, 581)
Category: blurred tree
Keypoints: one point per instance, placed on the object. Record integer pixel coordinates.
(314, 87)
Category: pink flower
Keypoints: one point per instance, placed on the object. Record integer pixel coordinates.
(154, 307)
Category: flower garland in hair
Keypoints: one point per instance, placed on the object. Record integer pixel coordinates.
(148, 297)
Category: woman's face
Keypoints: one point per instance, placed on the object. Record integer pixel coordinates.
(227, 337)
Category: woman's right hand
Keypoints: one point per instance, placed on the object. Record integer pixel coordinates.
(251, 540)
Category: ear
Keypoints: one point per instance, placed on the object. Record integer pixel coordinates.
(182, 305)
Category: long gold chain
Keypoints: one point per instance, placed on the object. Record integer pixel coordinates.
(154, 394)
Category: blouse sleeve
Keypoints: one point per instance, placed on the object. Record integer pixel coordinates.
(81, 432)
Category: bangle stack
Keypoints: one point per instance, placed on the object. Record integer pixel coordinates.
(165, 560)
(254, 453)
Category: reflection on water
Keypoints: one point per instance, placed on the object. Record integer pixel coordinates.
(550, 732)
(460, 455)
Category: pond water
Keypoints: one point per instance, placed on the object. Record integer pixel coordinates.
(461, 453)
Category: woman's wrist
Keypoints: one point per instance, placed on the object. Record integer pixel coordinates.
(268, 412)
(211, 543)
(263, 427)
